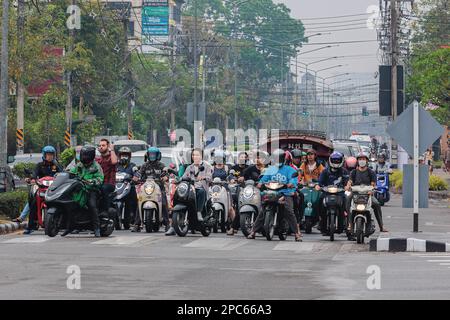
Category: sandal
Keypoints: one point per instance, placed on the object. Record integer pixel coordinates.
(251, 236)
(18, 220)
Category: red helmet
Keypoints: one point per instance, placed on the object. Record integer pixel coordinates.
(351, 162)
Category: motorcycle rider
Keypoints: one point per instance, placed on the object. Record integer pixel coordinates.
(48, 167)
(202, 179)
(108, 162)
(382, 166)
(126, 166)
(241, 165)
(283, 174)
(92, 174)
(311, 169)
(334, 174)
(299, 198)
(154, 167)
(254, 171)
(363, 175)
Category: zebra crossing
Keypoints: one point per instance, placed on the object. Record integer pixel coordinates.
(214, 243)
(437, 259)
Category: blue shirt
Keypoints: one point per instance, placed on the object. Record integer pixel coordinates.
(338, 178)
(283, 175)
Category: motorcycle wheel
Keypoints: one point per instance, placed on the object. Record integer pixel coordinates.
(246, 224)
(51, 225)
(223, 224)
(215, 224)
(180, 227)
(332, 226)
(283, 229)
(205, 230)
(125, 221)
(108, 230)
(308, 225)
(359, 231)
(269, 229)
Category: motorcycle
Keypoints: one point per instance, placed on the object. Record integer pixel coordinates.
(123, 189)
(38, 190)
(273, 208)
(61, 204)
(382, 190)
(218, 204)
(310, 204)
(361, 212)
(150, 204)
(184, 213)
(249, 206)
(333, 204)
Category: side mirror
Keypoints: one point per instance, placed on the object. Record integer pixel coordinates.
(11, 159)
(135, 169)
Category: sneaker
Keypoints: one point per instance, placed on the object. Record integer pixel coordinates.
(170, 232)
(136, 229)
(28, 231)
(75, 231)
(18, 220)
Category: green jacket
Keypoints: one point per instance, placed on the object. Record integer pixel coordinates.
(92, 174)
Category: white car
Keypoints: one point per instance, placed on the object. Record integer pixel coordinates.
(138, 158)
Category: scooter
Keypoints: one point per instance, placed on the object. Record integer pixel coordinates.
(310, 206)
(38, 190)
(333, 204)
(60, 203)
(218, 204)
(273, 208)
(150, 204)
(123, 189)
(184, 213)
(249, 206)
(361, 207)
(382, 190)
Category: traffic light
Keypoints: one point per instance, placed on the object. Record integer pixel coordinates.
(365, 113)
(305, 113)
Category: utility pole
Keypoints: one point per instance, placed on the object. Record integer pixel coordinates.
(129, 81)
(20, 86)
(394, 51)
(68, 133)
(296, 90)
(4, 85)
(196, 109)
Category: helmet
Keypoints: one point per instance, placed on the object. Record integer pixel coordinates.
(351, 162)
(382, 156)
(263, 155)
(87, 155)
(336, 160)
(296, 153)
(278, 157)
(124, 155)
(311, 151)
(362, 155)
(218, 157)
(153, 154)
(47, 149)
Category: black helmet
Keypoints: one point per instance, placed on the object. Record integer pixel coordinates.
(296, 153)
(87, 155)
(124, 155)
(278, 157)
(382, 156)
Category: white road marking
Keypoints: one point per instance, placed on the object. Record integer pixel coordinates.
(444, 264)
(294, 246)
(438, 260)
(121, 240)
(429, 223)
(215, 244)
(29, 239)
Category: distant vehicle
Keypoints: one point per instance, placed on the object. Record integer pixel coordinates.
(134, 145)
(362, 139)
(138, 158)
(348, 148)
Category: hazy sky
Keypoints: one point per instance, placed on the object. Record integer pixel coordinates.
(303, 9)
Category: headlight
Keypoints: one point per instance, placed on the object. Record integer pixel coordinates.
(248, 192)
(182, 189)
(47, 183)
(149, 188)
(360, 207)
(332, 189)
(273, 185)
(215, 195)
(120, 177)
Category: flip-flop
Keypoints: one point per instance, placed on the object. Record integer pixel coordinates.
(298, 238)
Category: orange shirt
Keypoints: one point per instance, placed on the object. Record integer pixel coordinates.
(307, 175)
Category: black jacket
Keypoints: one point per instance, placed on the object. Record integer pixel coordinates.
(46, 169)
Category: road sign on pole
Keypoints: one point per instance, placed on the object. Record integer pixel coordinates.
(415, 130)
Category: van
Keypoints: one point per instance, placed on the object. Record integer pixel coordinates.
(134, 145)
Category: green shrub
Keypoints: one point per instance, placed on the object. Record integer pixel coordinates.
(67, 156)
(397, 179)
(437, 183)
(19, 169)
(12, 203)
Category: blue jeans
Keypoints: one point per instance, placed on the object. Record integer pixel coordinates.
(25, 212)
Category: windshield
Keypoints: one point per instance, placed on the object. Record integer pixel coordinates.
(133, 147)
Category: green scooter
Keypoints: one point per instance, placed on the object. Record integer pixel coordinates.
(310, 205)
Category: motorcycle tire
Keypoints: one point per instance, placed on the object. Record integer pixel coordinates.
(181, 229)
(308, 225)
(205, 231)
(246, 224)
(107, 230)
(269, 228)
(359, 232)
(283, 230)
(215, 224)
(149, 227)
(51, 225)
(332, 227)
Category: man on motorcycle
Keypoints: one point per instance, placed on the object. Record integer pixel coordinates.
(91, 173)
(242, 164)
(299, 198)
(363, 175)
(202, 179)
(335, 174)
(154, 167)
(311, 169)
(254, 171)
(283, 174)
(108, 162)
(126, 166)
(382, 166)
(47, 168)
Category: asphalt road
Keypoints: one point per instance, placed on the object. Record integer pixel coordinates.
(152, 266)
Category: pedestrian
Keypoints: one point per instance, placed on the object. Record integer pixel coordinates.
(429, 154)
(108, 163)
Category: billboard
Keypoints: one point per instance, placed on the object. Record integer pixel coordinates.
(155, 20)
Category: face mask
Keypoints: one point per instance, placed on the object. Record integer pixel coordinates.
(362, 163)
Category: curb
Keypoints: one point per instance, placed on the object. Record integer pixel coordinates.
(6, 228)
(408, 245)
